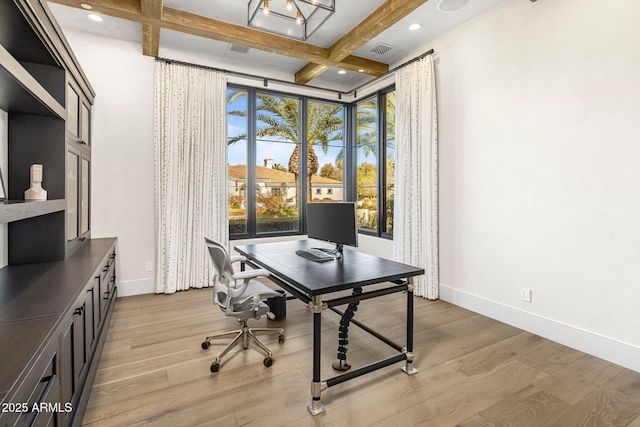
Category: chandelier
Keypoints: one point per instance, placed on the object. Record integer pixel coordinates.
(297, 19)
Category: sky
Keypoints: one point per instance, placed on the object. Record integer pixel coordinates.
(274, 148)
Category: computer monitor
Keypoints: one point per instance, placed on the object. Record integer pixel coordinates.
(333, 222)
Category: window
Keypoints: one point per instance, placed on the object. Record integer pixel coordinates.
(375, 162)
(366, 154)
(293, 159)
(277, 146)
(237, 129)
(389, 159)
(325, 136)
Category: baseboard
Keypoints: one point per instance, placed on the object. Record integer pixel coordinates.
(605, 348)
(135, 287)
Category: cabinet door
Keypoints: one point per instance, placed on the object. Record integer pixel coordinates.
(67, 385)
(79, 343)
(78, 193)
(74, 354)
(84, 192)
(97, 312)
(89, 322)
(73, 194)
(85, 128)
(73, 112)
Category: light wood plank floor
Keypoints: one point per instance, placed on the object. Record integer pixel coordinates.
(473, 371)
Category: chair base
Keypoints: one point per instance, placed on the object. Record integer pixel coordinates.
(244, 335)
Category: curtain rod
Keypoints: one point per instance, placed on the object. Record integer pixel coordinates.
(417, 58)
(269, 79)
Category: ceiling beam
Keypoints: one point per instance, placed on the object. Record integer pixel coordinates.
(385, 16)
(151, 33)
(189, 23)
(150, 40)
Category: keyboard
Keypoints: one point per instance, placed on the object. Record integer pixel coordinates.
(315, 255)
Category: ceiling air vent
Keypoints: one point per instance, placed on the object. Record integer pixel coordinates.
(238, 48)
(380, 49)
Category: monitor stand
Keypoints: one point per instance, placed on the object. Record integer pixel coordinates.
(336, 252)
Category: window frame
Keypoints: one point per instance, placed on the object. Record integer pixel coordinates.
(251, 231)
(381, 171)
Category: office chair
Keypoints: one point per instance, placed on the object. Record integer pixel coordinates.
(240, 297)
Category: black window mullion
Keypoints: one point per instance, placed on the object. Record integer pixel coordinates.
(251, 162)
(303, 181)
(349, 154)
(381, 161)
(383, 198)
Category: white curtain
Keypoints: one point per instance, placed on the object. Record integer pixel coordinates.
(190, 172)
(415, 229)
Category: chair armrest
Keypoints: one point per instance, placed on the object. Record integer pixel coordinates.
(237, 258)
(250, 274)
(243, 276)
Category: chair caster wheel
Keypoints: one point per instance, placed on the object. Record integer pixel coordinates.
(205, 345)
(280, 339)
(267, 362)
(215, 367)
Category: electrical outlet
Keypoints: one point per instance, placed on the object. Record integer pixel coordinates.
(525, 295)
(149, 266)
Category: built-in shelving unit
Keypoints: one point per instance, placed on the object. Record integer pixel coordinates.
(38, 71)
(58, 290)
(22, 92)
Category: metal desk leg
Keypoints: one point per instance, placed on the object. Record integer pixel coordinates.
(408, 367)
(317, 385)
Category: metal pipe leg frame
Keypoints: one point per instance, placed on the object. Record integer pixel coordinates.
(408, 366)
(317, 385)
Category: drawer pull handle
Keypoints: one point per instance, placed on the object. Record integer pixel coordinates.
(79, 310)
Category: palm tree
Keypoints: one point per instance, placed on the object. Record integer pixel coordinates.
(366, 129)
(278, 117)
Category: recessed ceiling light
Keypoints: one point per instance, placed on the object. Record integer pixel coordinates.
(414, 27)
(361, 70)
(342, 72)
(451, 5)
(95, 17)
(86, 6)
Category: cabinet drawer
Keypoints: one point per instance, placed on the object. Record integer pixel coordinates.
(41, 401)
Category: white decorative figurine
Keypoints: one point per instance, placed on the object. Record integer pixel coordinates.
(36, 192)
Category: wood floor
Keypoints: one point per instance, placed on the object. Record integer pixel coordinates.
(473, 371)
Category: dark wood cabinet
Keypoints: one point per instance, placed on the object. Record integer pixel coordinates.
(58, 291)
(54, 318)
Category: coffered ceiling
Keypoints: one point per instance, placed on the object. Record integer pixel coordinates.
(363, 38)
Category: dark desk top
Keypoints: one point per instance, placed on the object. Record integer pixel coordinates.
(356, 269)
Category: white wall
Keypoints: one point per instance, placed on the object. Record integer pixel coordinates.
(122, 157)
(539, 138)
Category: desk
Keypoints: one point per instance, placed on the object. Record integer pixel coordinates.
(313, 283)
